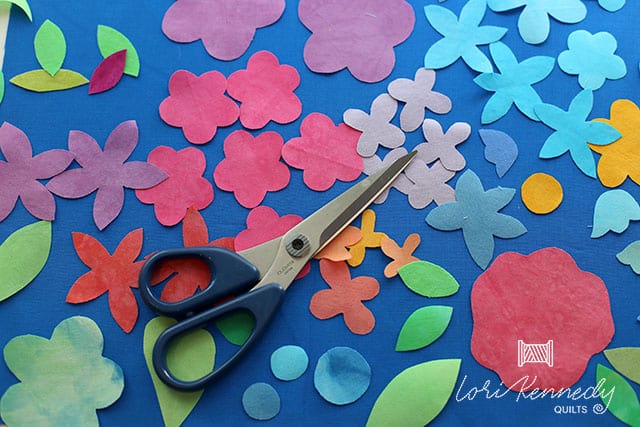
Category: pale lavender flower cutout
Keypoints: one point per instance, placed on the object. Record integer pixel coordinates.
(418, 94)
(375, 127)
(430, 184)
(442, 145)
(20, 173)
(105, 171)
(374, 164)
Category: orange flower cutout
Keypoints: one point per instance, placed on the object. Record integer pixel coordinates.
(370, 238)
(400, 255)
(336, 250)
(115, 274)
(621, 158)
(345, 297)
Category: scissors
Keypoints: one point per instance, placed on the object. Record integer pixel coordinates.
(254, 279)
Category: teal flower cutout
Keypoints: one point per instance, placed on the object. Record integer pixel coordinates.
(533, 23)
(62, 380)
(591, 57)
(573, 132)
(512, 84)
(461, 36)
(476, 212)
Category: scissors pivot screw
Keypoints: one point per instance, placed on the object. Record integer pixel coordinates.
(298, 245)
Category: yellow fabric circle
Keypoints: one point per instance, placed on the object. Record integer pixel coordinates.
(541, 193)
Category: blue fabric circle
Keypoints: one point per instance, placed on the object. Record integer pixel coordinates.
(261, 401)
(342, 375)
(289, 362)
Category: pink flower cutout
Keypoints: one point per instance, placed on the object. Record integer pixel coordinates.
(198, 105)
(226, 27)
(356, 34)
(265, 90)
(252, 167)
(184, 187)
(325, 152)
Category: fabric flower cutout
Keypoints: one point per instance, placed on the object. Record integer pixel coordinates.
(265, 91)
(349, 34)
(370, 238)
(429, 184)
(418, 95)
(20, 173)
(198, 105)
(113, 274)
(591, 57)
(442, 145)
(337, 248)
(533, 23)
(621, 159)
(226, 27)
(105, 172)
(512, 84)
(345, 297)
(573, 132)
(461, 36)
(184, 187)
(324, 151)
(612, 5)
(401, 255)
(374, 164)
(251, 167)
(63, 380)
(476, 212)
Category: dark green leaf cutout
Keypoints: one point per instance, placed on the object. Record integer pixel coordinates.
(617, 396)
(236, 326)
(423, 326)
(41, 81)
(428, 279)
(50, 46)
(111, 41)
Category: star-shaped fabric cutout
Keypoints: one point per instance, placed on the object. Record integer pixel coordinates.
(461, 36)
(476, 212)
(512, 84)
(375, 163)
(370, 238)
(429, 184)
(573, 132)
(401, 255)
(442, 145)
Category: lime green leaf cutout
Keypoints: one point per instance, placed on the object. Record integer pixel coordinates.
(618, 396)
(423, 326)
(190, 357)
(22, 257)
(236, 326)
(111, 41)
(41, 81)
(625, 360)
(416, 395)
(427, 279)
(1, 85)
(50, 46)
(22, 4)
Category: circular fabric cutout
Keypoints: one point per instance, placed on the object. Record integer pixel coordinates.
(541, 193)
(261, 401)
(342, 375)
(289, 362)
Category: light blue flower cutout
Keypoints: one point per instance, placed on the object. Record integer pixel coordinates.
(613, 211)
(573, 132)
(476, 212)
(592, 58)
(533, 23)
(461, 36)
(611, 5)
(631, 256)
(512, 84)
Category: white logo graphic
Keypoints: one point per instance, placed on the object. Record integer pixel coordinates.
(535, 353)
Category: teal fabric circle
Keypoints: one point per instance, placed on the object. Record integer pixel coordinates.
(261, 401)
(289, 362)
(342, 375)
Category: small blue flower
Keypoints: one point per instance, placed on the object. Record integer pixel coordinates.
(611, 5)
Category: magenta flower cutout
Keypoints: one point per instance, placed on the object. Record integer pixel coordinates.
(105, 171)
(265, 90)
(19, 175)
(252, 167)
(184, 186)
(325, 152)
(198, 105)
(358, 34)
(226, 27)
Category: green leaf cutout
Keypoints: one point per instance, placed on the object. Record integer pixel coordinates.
(22, 4)
(423, 326)
(427, 279)
(1, 85)
(41, 81)
(618, 396)
(50, 46)
(625, 360)
(190, 357)
(236, 326)
(416, 395)
(111, 41)
(22, 257)
(631, 256)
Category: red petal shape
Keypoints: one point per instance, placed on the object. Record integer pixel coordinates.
(108, 73)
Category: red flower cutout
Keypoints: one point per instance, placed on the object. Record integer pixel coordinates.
(185, 186)
(265, 90)
(345, 297)
(198, 105)
(252, 167)
(521, 304)
(115, 274)
(325, 152)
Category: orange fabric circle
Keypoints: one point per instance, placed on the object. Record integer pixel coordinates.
(541, 193)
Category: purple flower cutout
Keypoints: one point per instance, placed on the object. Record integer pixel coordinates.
(430, 184)
(350, 33)
(442, 145)
(105, 171)
(20, 173)
(226, 27)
